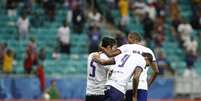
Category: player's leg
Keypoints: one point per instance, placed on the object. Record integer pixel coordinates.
(108, 94)
(112, 94)
(128, 95)
(142, 95)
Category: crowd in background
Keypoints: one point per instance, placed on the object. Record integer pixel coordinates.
(151, 14)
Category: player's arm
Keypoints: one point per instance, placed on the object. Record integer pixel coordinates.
(97, 59)
(155, 73)
(111, 53)
(136, 75)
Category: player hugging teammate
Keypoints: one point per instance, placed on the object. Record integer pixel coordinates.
(127, 66)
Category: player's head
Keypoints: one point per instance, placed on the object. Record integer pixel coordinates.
(108, 43)
(133, 38)
(53, 82)
(65, 23)
(148, 58)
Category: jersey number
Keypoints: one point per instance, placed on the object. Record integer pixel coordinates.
(92, 74)
(123, 60)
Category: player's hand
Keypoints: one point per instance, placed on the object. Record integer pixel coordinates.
(96, 56)
(134, 98)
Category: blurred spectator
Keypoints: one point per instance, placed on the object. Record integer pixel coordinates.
(37, 20)
(53, 90)
(34, 51)
(8, 61)
(31, 57)
(64, 38)
(95, 18)
(121, 39)
(42, 55)
(151, 10)
(123, 9)
(41, 76)
(139, 7)
(196, 20)
(94, 39)
(27, 6)
(159, 28)
(191, 45)
(49, 8)
(174, 9)
(164, 64)
(23, 26)
(68, 5)
(78, 19)
(3, 50)
(160, 8)
(175, 23)
(185, 30)
(28, 62)
(11, 6)
(148, 26)
(190, 59)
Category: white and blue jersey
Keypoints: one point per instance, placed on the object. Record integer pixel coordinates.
(136, 48)
(96, 76)
(123, 70)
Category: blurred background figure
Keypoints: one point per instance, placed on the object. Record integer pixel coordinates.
(23, 26)
(163, 64)
(53, 91)
(95, 18)
(64, 38)
(8, 62)
(123, 9)
(41, 76)
(42, 55)
(94, 39)
(11, 6)
(78, 19)
(49, 7)
(148, 26)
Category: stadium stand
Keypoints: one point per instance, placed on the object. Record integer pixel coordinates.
(75, 63)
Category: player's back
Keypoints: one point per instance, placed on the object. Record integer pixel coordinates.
(96, 76)
(139, 49)
(124, 67)
(136, 48)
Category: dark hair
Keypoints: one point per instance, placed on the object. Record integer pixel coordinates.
(148, 55)
(108, 41)
(135, 35)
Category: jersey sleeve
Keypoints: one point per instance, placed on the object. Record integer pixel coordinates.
(141, 63)
(152, 53)
(105, 57)
(123, 48)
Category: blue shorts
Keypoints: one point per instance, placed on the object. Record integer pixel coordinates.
(112, 94)
(141, 95)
